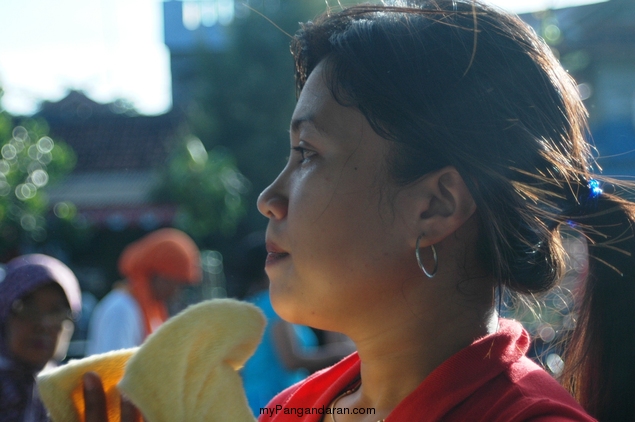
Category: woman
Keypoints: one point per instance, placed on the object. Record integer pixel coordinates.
(38, 297)
(437, 151)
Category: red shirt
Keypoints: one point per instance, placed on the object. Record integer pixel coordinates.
(490, 380)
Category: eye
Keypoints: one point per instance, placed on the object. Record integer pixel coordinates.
(305, 154)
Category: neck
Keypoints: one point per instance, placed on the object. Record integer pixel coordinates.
(401, 353)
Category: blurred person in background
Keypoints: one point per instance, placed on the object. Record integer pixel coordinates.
(155, 268)
(288, 352)
(39, 296)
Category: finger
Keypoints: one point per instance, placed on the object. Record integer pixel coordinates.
(129, 412)
(94, 398)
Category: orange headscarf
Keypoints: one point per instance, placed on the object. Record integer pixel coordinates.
(168, 253)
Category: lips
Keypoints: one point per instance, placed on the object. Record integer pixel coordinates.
(274, 253)
(42, 342)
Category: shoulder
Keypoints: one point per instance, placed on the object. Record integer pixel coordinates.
(118, 302)
(492, 380)
(116, 323)
(526, 392)
(118, 311)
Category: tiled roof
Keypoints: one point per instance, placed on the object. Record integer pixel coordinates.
(118, 155)
(107, 137)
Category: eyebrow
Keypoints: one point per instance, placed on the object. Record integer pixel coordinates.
(297, 124)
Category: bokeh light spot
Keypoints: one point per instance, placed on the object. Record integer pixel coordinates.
(18, 144)
(45, 144)
(25, 191)
(28, 222)
(552, 33)
(212, 262)
(5, 188)
(585, 91)
(554, 363)
(39, 178)
(65, 210)
(5, 167)
(9, 152)
(197, 151)
(546, 333)
(45, 157)
(19, 132)
(33, 152)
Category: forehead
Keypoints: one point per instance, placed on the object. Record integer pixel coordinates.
(314, 101)
(50, 293)
(318, 113)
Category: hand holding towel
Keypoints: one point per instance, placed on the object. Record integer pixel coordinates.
(61, 388)
(185, 371)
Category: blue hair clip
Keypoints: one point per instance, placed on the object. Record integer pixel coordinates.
(594, 189)
(586, 202)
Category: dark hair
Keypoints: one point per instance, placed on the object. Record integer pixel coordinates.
(464, 84)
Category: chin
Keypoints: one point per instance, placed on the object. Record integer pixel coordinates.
(281, 306)
(295, 312)
(37, 362)
(38, 358)
(287, 307)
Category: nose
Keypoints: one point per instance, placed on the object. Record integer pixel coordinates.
(272, 204)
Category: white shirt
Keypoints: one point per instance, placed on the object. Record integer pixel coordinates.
(116, 323)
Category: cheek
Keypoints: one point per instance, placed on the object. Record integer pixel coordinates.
(15, 337)
(30, 344)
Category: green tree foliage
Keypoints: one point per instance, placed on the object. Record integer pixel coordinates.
(208, 188)
(29, 162)
(245, 94)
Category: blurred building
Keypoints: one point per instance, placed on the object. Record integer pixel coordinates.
(596, 44)
(191, 26)
(119, 155)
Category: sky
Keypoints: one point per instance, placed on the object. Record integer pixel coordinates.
(110, 49)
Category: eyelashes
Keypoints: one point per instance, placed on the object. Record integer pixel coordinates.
(304, 153)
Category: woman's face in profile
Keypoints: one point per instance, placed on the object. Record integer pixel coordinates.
(336, 222)
(35, 323)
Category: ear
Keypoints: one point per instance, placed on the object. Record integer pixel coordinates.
(444, 204)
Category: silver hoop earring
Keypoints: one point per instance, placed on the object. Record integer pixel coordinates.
(434, 256)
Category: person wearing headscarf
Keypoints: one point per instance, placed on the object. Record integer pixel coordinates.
(154, 267)
(39, 296)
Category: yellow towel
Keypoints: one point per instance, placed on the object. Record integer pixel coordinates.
(61, 388)
(185, 371)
